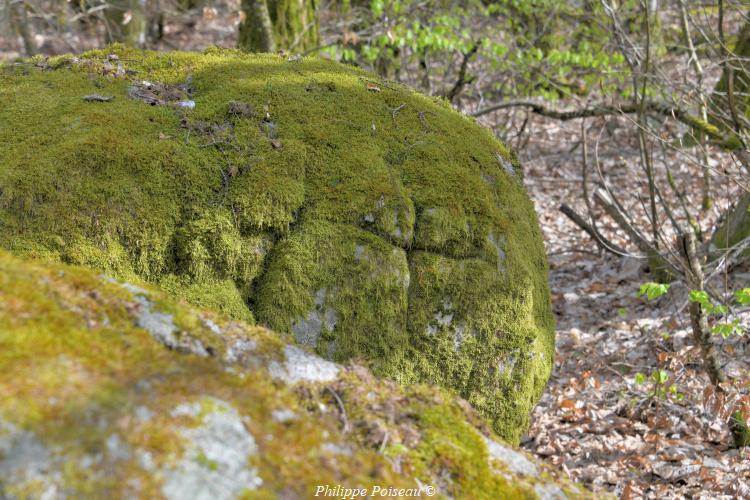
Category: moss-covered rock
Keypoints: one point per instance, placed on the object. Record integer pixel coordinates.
(368, 220)
(111, 389)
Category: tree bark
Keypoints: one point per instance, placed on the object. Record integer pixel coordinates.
(256, 31)
(731, 110)
(126, 22)
(270, 25)
(20, 23)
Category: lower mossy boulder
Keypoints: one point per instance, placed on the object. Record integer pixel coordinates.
(367, 220)
(109, 389)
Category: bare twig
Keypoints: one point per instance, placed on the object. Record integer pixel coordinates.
(462, 78)
(344, 419)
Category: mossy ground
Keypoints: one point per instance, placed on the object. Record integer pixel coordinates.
(288, 181)
(75, 370)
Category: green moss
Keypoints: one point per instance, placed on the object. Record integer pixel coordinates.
(740, 430)
(451, 445)
(292, 194)
(104, 409)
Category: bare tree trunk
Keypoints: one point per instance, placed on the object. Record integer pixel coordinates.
(126, 22)
(295, 24)
(731, 110)
(701, 332)
(734, 231)
(256, 31)
(702, 337)
(270, 25)
(20, 23)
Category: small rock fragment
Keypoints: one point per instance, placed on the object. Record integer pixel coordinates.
(241, 109)
(98, 98)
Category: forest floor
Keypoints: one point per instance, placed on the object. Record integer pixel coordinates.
(594, 421)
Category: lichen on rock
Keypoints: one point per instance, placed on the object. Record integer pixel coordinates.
(278, 180)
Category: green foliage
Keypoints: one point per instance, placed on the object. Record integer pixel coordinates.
(743, 296)
(702, 298)
(653, 290)
(724, 327)
(658, 387)
(551, 48)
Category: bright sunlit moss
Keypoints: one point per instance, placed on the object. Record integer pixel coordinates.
(372, 221)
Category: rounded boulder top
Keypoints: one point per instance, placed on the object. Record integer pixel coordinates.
(364, 219)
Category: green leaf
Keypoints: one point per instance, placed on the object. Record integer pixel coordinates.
(653, 290)
(699, 296)
(660, 376)
(743, 296)
(640, 378)
(727, 328)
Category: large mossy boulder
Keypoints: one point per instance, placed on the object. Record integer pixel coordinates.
(369, 221)
(112, 390)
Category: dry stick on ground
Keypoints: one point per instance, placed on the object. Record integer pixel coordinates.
(345, 421)
(598, 238)
(578, 220)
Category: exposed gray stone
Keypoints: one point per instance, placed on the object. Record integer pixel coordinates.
(396, 232)
(549, 492)
(332, 317)
(300, 365)
(212, 326)
(498, 243)
(186, 410)
(507, 166)
(320, 297)
(160, 325)
(145, 460)
(506, 364)
(239, 348)
(214, 465)
(337, 449)
(283, 415)
(359, 252)
(307, 330)
(116, 448)
(443, 317)
(458, 335)
(515, 461)
(143, 414)
(24, 460)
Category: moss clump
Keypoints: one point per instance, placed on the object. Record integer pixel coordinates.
(364, 218)
(96, 406)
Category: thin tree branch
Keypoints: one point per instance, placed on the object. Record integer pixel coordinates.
(729, 142)
(462, 79)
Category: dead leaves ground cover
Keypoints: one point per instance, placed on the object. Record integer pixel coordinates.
(596, 421)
